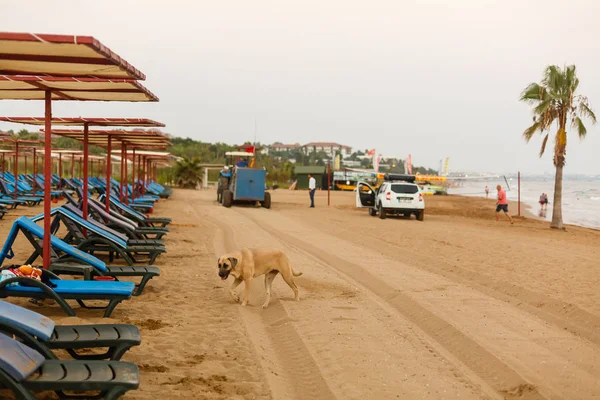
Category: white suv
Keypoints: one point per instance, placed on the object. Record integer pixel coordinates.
(397, 195)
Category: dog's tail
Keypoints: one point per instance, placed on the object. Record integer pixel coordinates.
(296, 273)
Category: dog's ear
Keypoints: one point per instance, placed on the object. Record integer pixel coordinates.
(233, 261)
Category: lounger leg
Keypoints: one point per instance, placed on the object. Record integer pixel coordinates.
(111, 306)
(140, 287)
(153, 257)
(113, 353)
(64, 305)
(114, 393)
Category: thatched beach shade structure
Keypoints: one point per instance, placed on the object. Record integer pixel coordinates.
(15, 142)
(108, 138)
(63, 67)
(86, 123)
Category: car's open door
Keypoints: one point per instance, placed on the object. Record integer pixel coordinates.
(365, 195)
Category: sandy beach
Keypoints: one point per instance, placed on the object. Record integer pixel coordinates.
(457, 306)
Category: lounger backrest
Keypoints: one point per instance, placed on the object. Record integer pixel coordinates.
(101, 232)
(18, 360)
(109, 217)
(127, 209)
(79, 213)
(31, 227)
(33, 323)
(70, 198)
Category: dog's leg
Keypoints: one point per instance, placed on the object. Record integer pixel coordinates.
(289, 279)
(234, 285)
(246, 291)
(268, 281)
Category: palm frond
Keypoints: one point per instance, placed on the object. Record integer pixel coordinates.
(529, 132)
(533, 93)
(543, 148)
(581, 130)
(586, 111)
(543, 107)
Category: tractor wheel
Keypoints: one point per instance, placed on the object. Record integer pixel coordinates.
(266, 203)
(227, 198)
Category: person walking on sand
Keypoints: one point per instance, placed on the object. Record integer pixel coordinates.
(545, 201)
(312, 186)
(502, 204)
(487, 192)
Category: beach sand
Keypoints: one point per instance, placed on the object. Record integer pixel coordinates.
(457, 306)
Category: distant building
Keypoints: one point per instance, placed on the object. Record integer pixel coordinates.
(328, 148)
(279, 147)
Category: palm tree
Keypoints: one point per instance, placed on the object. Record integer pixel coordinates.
(188, 172)
(555, 100)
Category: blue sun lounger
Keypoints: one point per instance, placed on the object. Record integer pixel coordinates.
(43, 335)
(138, 217)
(113, 292)
(99, 239)
(67, 259)
(25, 371)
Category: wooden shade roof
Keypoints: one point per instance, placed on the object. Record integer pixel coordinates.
(26, 87)
(79, 121)
(135, 138)
(61, 55)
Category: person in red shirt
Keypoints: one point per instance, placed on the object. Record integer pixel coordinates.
(502, 204)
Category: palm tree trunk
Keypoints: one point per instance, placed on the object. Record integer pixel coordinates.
(557, 222)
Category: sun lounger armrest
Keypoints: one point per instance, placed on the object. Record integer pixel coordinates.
(83, 269)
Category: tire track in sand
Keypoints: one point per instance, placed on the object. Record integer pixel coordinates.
(276, 337)
(501, 377)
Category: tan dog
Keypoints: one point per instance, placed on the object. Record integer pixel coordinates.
(246, 264)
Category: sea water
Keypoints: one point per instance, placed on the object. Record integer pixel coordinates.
(580, 200)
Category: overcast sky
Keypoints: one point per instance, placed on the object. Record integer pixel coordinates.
(431, 78)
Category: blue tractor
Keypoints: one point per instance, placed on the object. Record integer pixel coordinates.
(242, 183)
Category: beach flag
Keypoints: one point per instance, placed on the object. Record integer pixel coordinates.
(409, 165)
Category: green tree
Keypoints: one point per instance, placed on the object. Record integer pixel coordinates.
(188, 173)
(555, 101)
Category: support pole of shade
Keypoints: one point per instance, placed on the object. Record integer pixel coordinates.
(125, 177)
(85, 171)
(121, 180)
(140, 177)
(26, 169)
(16, 168)
(108, 171)
(73, 166)
(47, 174)
(3, 162)
(143, 164)
(134, 188)
(60, 171)
(35, 171)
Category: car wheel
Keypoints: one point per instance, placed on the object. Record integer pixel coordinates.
(421, 215)
(372, 212)
(382, 214)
